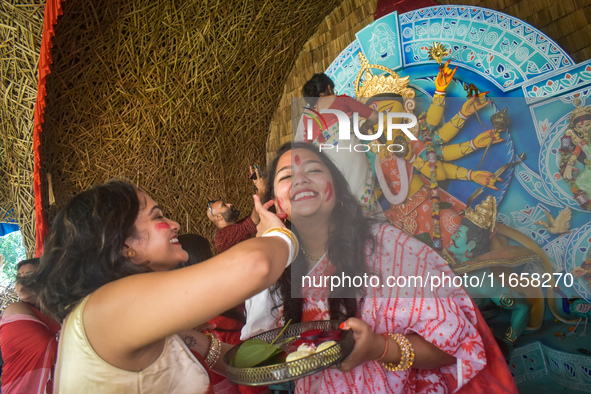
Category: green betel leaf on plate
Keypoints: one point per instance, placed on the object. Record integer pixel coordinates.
(254, 352)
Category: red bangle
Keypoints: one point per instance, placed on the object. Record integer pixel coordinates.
(387, 347)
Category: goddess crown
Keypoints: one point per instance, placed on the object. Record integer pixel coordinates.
(376, 84)
(485, 214)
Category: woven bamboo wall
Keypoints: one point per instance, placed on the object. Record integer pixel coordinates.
(20, 43)
(568, 22)
(174, 96)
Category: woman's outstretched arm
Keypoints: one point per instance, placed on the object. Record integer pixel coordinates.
(128, 316)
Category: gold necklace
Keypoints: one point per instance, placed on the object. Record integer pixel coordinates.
(309, 257)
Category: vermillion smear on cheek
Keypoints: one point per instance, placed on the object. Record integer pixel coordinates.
(162, 226)
(297, 160)
(328, 191)
(279, 205)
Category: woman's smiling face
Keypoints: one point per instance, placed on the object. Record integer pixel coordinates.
(155, 244)
(303, 186)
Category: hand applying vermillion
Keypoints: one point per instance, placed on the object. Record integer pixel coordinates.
(267, 219)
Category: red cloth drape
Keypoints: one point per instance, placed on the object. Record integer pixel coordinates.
(53, 9)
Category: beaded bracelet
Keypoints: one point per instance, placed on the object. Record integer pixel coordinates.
(214, 351)
(408, 354)
(289, 237)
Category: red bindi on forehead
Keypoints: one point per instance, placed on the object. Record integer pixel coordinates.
(26, 269)
(297, 160)
(162, 226)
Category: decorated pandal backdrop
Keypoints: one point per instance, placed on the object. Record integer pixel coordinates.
(513, 173)
(540, 107)
(178, 97)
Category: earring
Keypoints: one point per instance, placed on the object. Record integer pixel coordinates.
(130, 254)
(466, 254)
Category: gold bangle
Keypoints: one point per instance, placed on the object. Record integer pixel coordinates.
(457, 121)
(439, 99)
(462, 173)
(466, 147)
(214, 351)
(408, 354)
(290, 235)
(419, 163)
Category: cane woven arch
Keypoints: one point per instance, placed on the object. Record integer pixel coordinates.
(175, 96)
(21, 24)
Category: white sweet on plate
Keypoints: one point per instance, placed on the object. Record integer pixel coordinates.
(325, 345)
(296, 356)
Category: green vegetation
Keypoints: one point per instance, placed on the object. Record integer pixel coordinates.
(12, 251)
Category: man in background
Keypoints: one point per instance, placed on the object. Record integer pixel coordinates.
(225, 216)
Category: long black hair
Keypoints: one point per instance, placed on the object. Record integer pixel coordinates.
(197, 247)
(349, 234)
(34, 262)
(84, 249)
(319, 83)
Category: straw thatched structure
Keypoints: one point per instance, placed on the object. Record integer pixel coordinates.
(20, 42)
(175, 96)
(178, 96)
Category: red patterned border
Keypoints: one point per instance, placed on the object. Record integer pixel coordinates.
(53, 9)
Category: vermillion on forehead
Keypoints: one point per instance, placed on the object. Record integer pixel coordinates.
(162, 226)
(328, 191)
(297, 160)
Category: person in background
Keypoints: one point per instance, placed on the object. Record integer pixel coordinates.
(197, 247)
(29, 343)
(323, 129)
(225, 216)
(227, 326)
(107, 273)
